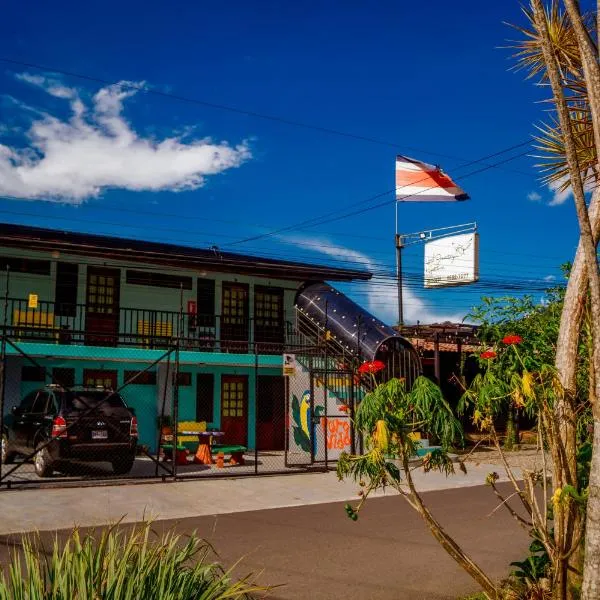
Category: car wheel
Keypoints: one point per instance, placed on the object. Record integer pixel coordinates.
(123, 464)
(6, 457)
(42, 463)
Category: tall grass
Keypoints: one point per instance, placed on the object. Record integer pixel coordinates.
(114, 565)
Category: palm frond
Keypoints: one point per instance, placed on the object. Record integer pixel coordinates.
(550, 142)
(529, 53)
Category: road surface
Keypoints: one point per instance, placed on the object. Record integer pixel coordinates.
(317, 553)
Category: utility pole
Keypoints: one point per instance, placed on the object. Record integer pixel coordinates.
(399, 246)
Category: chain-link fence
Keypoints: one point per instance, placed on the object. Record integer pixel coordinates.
(99, 419)
(96, 391)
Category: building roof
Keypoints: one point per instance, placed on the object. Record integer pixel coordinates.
(159, 253)
(446, 336)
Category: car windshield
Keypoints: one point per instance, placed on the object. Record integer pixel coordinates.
(80, 400)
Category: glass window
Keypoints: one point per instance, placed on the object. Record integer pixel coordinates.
(27, 402)
(40, 403)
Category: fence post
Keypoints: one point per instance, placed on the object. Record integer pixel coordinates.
(255, 409)
(3, 361)
(162, 416)
(176, 387)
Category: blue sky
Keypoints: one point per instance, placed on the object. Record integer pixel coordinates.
(430, 79)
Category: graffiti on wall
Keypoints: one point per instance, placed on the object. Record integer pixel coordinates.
(338, 433)
(301, 415)
(337, 428)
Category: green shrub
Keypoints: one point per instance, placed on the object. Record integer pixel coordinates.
(115, 565)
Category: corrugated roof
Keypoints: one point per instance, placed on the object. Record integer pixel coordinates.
(159, 253)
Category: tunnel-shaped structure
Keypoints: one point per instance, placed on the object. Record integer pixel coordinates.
(358, 331)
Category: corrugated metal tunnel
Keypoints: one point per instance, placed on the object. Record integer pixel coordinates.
(358, 331)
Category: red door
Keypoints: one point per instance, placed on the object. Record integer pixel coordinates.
(234, 409)
(102, 306)
(270, 413)
(234, 317)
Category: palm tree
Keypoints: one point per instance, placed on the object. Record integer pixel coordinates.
(559, 47)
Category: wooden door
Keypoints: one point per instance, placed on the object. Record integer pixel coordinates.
(234, 409)
(270, 413)
(234, 317)
(268, 320)
(102, 306)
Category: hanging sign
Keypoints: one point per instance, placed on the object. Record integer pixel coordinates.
(452, 260)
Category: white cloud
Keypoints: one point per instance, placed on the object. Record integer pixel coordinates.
(560, 197)
(381, 292)
(534, 197)
(95, 148)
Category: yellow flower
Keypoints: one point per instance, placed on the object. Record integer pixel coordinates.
(381, 436)
(527, 384)
(557, 496)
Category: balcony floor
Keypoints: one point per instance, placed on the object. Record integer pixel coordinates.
(139, 355)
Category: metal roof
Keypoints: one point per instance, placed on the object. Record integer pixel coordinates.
(159, 253)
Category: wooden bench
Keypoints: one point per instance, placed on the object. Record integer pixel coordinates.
(236, 452)
(36, 322)
(155, 332)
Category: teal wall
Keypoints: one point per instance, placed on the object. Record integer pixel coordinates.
(145, 399)
(134, 296)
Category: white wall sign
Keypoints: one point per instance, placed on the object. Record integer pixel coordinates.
(452, 260)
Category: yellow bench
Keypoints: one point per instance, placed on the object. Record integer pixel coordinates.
(157, 329)
(199, 426)
(184, 442)
(33, 319)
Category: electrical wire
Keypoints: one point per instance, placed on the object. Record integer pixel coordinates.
(214, 105)
(322, 219)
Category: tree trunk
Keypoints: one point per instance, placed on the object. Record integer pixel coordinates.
(592, 72)
(573, 308)
(567, 358)
(591, 568)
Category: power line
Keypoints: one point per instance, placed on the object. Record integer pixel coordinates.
(322, 220)
(374, 266)
(225, 107)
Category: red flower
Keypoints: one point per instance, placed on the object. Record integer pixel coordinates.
(509, 340)
(371, 366)
(488, 354)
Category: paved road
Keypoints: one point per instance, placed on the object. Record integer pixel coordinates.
(388, 554)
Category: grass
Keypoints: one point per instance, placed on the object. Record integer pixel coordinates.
(113, 565)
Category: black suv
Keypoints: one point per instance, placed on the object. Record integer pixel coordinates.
(81, 423)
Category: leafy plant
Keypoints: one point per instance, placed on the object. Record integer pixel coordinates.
(120, 566)
(386, 418)
(535, 566)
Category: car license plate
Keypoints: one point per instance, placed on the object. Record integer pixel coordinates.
(100, 434)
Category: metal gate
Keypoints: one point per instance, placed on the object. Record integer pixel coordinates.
(319, 415)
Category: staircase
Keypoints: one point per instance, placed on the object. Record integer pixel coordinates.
(327, 351)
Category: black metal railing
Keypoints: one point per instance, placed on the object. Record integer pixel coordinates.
(94, 325)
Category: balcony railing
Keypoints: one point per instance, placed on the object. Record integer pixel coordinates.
(154, 329)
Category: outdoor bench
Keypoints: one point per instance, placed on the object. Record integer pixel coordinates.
(236, 452)
(185, 443)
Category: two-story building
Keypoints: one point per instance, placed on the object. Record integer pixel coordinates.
(95, 309)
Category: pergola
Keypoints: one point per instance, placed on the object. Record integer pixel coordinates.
(441, 337)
